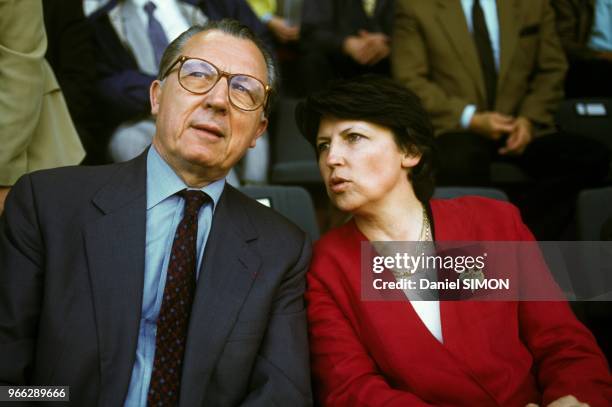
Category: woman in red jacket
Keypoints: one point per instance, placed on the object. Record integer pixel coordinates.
(375, 151)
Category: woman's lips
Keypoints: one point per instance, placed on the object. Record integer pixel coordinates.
(337, 184)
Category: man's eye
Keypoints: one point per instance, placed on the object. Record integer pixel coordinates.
(240, 88)
(199, 74)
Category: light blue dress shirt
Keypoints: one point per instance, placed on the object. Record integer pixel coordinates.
(601, 34)
(164, 212)
(489, 9)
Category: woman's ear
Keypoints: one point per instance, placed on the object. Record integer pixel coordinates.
(411, 159)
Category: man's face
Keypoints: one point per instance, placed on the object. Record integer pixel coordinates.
(203, 136)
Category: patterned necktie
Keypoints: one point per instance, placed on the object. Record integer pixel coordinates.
(485, 53)
(369, 6)
(173, 318)
(156, 32)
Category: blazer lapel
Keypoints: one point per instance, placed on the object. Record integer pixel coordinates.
(115, 246)
(449, 227)
(452, 20)
(399, 340)
(509, 26)
(229, 267)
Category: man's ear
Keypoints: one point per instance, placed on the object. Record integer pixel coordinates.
(411, 159)
(261, 127)
(155, 96)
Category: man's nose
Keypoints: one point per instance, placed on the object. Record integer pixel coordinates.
(217, 98)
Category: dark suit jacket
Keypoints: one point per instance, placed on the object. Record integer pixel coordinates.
(574, 25)
(70, 52)
(327, 23)
(122, 88)
(434, 55)
(72, 244)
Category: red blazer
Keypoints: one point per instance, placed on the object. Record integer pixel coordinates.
(494, 353)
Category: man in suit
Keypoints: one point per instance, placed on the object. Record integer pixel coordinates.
(36, 130)
(586, 35)
(345, 38)
(490, 74)
(98, 291)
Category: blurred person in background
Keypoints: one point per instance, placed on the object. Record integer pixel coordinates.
(490, 75)
(585, 29)
(345, 38)
(281, 17)
(70, 52)
(36, 130)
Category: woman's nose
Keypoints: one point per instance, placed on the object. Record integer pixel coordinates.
(334, 155)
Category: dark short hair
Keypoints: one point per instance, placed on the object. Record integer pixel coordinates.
(226, 26)
(383, 101)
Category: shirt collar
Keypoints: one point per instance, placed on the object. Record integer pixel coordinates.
(163, 182)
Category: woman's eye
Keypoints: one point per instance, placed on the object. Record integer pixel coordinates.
(322, 146)
(353, 137)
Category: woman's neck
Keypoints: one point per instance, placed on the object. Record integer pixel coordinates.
(399, 217)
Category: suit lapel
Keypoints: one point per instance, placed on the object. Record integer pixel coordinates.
(449, 227)
(452, 20)
(229, 267)
(115, 245)
(509, 26)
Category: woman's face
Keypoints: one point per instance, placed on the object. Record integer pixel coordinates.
(361, 164)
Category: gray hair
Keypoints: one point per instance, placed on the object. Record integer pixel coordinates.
(230, 27)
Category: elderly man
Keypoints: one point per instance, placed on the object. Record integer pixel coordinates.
(153, 282)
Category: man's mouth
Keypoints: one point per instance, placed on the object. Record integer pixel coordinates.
(208, 129)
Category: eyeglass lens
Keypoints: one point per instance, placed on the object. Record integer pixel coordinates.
(199, 76)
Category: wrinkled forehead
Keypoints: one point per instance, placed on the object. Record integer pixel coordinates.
(231, 54)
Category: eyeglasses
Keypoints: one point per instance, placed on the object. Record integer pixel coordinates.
(198, 76)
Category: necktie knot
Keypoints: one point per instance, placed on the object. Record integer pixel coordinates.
(193, 201)
(150, 7)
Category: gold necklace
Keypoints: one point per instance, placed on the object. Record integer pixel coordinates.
(424, 236)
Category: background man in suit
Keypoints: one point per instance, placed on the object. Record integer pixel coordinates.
(490, 74)
(345, 38)
(98, 291)
(36, 130)
(585, 31)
